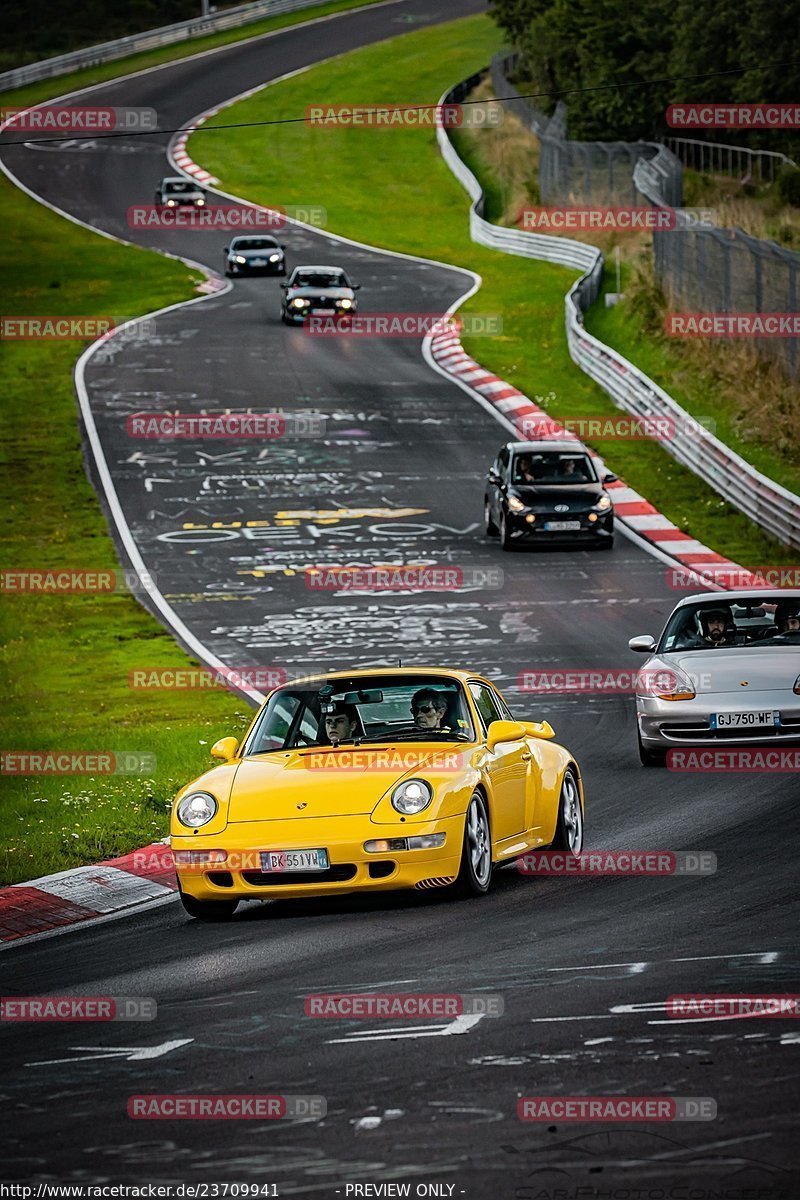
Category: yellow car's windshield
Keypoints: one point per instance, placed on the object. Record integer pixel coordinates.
(376, 708)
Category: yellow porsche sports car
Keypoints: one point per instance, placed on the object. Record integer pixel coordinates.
(372, 781)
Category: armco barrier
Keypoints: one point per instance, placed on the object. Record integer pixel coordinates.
(151, 39)
(772, 507)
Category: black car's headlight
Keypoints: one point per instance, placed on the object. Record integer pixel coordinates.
(275, 257)
(196, 809)
(299, 302)
(412, 796)
(515, 504)
(603, 504)
(344, 303)
(239, 258)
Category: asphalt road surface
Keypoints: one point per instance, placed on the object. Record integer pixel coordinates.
(584, 967)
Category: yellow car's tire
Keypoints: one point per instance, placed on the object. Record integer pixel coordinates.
(475, 873)
(209, 910)
(569, 826)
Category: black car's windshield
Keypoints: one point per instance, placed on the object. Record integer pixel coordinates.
(362, 709)
(179, 185)
(262, 243)
(552, 467)
(767, 620)
(319, 279)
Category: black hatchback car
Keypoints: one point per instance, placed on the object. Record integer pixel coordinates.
(545, 493)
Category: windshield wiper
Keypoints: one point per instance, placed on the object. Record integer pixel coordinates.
(420, 734)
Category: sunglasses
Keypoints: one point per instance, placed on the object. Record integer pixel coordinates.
(427, 708)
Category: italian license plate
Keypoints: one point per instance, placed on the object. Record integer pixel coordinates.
(561, 526)
(259, 262)
(294, 860)
(766, 719)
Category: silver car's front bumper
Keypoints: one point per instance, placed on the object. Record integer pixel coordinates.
(665, 723)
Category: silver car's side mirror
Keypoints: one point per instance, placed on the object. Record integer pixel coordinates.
(642, 644)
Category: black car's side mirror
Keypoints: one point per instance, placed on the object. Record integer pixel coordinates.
(284, 286)
(493, 477)
(610, 478)
(225, 249)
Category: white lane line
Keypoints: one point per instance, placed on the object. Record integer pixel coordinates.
(764, 957)
(461, 1024)
(128, 1053)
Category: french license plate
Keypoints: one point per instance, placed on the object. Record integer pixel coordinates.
(258, 262)
(561, 526)
(294, 860)
(745, 720)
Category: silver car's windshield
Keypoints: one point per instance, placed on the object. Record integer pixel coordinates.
(765, 620)
(318, 279)
(362, 709)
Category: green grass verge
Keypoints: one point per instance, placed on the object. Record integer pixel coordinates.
(65, 659)
(390, 187)
(34, 93)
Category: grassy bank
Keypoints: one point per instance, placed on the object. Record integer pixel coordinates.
(65, 659)
(391, 188)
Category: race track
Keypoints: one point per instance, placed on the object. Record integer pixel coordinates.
(410, 450)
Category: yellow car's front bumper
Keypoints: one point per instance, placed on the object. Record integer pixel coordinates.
(352, 868)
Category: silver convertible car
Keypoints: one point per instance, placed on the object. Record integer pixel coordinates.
(725, 672)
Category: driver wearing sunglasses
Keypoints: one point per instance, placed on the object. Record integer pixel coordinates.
(428, 708)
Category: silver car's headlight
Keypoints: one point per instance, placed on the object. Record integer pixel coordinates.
(197, 809)
(299, 302)
(344, 303)
(239, 258)
(275, 257)
(412, 796)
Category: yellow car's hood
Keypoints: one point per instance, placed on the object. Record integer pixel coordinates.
(273, 787)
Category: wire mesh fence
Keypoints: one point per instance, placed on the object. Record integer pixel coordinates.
(700, 268)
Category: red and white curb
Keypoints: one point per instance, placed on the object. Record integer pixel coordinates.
(86, 893)
(177, 151)
(629, 507)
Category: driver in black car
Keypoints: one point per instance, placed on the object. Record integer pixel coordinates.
(342, 724)
(428, 708)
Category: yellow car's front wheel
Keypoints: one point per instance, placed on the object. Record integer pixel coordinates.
(475, 874)
(209, 910)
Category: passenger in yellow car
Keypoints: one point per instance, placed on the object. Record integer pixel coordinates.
(342, 724)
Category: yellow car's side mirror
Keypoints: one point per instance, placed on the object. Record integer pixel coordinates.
(540, 729)
(504, 731)
(225, 749)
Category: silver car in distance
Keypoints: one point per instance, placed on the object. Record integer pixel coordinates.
(725, 672)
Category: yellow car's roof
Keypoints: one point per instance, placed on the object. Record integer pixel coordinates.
(388, 672)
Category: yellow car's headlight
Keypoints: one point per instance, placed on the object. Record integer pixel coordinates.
(197, 809)
(412, 796)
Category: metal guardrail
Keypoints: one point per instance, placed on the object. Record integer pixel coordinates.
(718, 158)
(151, 39)
(772, 507)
